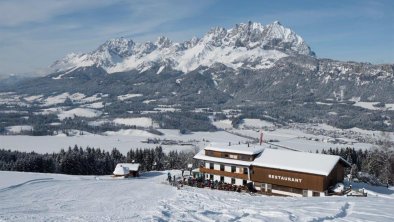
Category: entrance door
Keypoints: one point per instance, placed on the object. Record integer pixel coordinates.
(269, 188)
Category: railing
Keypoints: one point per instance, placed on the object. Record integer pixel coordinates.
(224, 173)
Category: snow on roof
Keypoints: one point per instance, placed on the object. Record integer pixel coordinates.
(236, 148)
(126, 167)
(120, 171)
(201, 156)
(313, 163)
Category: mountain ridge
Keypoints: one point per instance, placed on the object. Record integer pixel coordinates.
(245, 43)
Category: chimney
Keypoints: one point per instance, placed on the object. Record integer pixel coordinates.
(248, 144)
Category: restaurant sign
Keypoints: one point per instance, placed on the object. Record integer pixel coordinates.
(284, 178)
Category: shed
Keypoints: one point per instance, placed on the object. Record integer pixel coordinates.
(127, 170)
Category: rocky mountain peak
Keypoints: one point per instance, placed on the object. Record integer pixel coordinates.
(248, 45)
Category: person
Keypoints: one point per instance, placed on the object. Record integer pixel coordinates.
(174, 180)
(169, 177)
(182, 172)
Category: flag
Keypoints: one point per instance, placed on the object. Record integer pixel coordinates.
(261, 137)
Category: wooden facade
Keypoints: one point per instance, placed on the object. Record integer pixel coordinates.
(298, 180)
(228, 155)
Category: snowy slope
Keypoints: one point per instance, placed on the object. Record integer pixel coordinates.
(51, 197)
(251, 45)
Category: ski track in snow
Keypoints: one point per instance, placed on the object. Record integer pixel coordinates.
(50, 197)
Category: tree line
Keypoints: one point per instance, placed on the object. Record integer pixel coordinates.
(92, 161)
(375, 166)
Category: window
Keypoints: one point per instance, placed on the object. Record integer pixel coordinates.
(211, 177)
(244, 182)
(221, 167)
(246, 157)
(222, 179)
(263, 187)
(245, 170)
(316, 194)
(211, 166)
(233, 168)
(232, 156)
(232, 180)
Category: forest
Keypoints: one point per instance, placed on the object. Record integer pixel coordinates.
(375, 166)
(92, 161)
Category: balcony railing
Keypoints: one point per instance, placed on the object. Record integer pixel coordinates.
(224, 173)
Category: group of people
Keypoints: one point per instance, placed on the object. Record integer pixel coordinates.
(202, 183)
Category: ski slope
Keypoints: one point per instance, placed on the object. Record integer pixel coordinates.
(54, 197)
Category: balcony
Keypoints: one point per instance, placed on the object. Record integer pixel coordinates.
(224, 173)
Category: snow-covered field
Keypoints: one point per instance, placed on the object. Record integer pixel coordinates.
(140, 121)
(123, 140)
(81, 112)
(53, 197)
(18, 129)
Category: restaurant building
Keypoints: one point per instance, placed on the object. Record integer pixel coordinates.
(272, 171)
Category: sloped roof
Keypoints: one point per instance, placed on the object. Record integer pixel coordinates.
(125, 168)
(130, 166)
(120, 171)
(320, 164)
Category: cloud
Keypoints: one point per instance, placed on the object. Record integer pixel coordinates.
(35, 33)
(14, 13)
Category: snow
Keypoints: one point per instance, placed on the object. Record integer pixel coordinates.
(255, 123)
(81, 112)
(120, 170)
(54, 197)
(217, 46)
(160, 69)
(128, 166)
(98, 122)
(166, 109)
(130, 132)
(33, 98)
(51, 110)
(96, 105)
(123, 140)
(370, 105)
(298, 140)
(313, 163)
(128, 96)
(236, 148)
(149, 101)
(140, 121)
(223, 124)
(54, 100)
(19, 128)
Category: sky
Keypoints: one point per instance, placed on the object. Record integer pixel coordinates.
(35, 33)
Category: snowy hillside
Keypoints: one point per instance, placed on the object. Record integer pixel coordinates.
(52, 197)
(250, 45)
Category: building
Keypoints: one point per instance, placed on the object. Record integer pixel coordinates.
(229, 164)
(293, 173)
(272, 171)
(127, 170)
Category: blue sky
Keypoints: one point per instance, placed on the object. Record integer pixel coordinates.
(34, 33)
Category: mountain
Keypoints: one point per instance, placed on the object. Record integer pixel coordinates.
(249, 45)
(257, 68)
